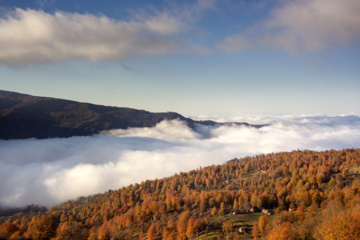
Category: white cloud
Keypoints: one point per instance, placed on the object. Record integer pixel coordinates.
(51, 171)
(165, 24)
(30, 36)
(165, 130)
(302, 25)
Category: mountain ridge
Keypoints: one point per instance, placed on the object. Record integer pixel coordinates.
(25, 116)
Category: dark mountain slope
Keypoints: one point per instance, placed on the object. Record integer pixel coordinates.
(24, 116)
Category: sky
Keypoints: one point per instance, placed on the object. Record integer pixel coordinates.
(197, 58)
(52, 171)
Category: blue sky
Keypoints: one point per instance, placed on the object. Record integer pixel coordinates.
(203, 57)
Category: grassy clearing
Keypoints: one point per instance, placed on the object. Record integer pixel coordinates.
(248, 219)
(250, 175)
(211, 234)
(354, 169)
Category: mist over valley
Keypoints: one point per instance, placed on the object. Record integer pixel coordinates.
(50, 171)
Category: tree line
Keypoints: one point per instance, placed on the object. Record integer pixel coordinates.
(313, 195)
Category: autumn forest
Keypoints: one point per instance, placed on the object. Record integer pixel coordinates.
(289, 195)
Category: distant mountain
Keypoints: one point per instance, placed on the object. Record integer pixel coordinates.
(25, 116)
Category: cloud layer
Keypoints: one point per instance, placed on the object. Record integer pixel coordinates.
(55, 170)
(30, 36)
(302, 25)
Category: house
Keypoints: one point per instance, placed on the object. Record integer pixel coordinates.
(254, 209)
(266, 211)
(243, 229)
(236, 212)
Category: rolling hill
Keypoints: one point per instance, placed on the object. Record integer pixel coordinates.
(302, 194)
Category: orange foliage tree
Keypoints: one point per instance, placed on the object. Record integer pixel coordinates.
(7, 229)
(283, 232)
(42, 227)
(344, 225)
(227, 227)
(151, 233)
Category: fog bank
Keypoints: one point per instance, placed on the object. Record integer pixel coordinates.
(51, 171)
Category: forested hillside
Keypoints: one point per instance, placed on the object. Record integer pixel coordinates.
(25, 116)
(309, 195)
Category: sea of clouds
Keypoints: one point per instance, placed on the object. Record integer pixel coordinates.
(51, 171)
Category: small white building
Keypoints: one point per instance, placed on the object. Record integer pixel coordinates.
(266, 211)
(243, 229)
